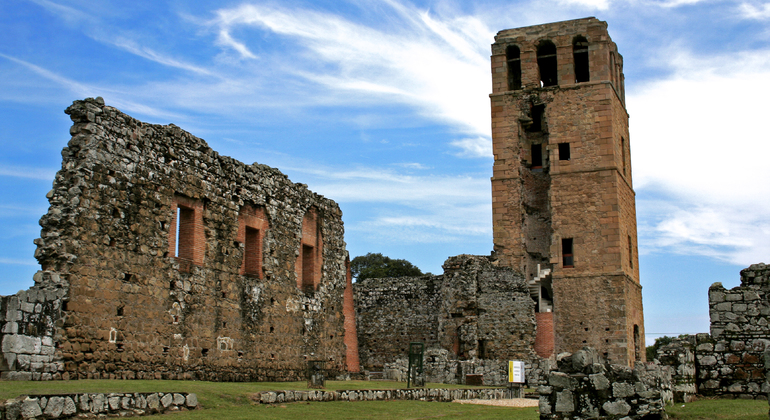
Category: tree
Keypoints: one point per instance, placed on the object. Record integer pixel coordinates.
(377, 265)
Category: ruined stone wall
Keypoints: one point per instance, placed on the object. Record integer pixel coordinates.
(475, 312)
(679, 354)
(730, 360)
(123, 299)
(587, 387)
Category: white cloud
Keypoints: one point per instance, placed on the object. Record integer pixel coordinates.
(43, 174)
(754, 11)
(699, 139)
(438, 65)
(474, 147)
(591, 4)
(409, 209)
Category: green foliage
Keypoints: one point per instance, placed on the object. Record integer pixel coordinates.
(377, 265)
(652, 351)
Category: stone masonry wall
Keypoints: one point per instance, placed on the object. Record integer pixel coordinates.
(476, 311)
(680, 356)
(730, 360)
(586, 387)
(163, 259)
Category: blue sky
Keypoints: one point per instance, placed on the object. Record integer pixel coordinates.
(382, 106)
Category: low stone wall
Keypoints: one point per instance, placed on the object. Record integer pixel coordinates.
(587, 387)
(96, 405)
(732, 368)
(418, 394)
(440, 366)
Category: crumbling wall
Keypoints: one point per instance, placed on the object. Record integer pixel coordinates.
(585, 386)
(730, 360)
(163, 259)
(476, 312)
(679, 354)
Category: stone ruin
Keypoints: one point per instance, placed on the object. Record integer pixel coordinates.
(729, 362)
(473, 319)
(584, 386)
(163, 259)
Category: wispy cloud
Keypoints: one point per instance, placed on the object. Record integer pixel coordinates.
(13, 261)
(44, 174)
(438, 65)
(474, 147)
(760, 11)
(152, 55)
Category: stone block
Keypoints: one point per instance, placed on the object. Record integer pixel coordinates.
(30, 408)
(564, 402)
(616, 408)
(55, 407)
(17, 343)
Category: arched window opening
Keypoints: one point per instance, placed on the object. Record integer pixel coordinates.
(580, 55)
(513, 57)
(546, 62)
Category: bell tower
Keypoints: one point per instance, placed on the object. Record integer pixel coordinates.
(564, 210)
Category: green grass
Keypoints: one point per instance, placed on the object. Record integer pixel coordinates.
(720, 409)
(231, 400)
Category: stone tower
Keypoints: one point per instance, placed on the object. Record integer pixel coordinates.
(563, 203)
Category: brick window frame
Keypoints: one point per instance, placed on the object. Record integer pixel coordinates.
(252, 228)
(186, 238)
(310, 259)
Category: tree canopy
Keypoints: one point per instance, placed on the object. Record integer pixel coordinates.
(376, 265)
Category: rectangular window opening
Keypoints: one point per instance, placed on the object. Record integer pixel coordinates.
(630, 252)
(252, 252)
(308, 268)
(185, 222)
(568, 260)
(564, 153)
(537, 156)
(536, 113)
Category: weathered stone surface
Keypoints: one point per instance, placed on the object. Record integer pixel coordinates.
(616, 408)
(618, 391)
(465, 318)
(229, 301)
(30, 408)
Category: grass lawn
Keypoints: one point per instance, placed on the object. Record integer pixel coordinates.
(719, 409)
(228, 400)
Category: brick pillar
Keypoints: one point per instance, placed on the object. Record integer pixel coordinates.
(544, 340)
(351, 336)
